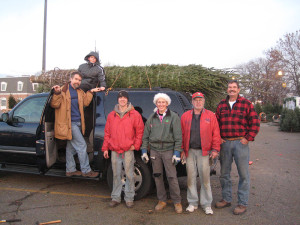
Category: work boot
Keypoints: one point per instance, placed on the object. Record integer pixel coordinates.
(75, 173)
(178, 208)
(240, 209)
(113, 203)
(91, 174)
(129, 204)
(160, 205)
(222, 204)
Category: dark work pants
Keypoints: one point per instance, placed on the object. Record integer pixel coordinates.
(159, 160)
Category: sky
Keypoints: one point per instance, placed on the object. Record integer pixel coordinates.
(216, 33)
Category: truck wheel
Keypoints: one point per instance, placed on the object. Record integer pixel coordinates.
(142, 176)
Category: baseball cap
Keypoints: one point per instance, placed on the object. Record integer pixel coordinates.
(197, 95)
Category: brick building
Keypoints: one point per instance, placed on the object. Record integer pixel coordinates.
(19, 87)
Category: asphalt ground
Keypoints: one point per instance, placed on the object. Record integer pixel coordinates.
(274, 193)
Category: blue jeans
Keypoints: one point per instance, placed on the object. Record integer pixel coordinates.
(240, 153)
(127, 160)
(77, 145)
(197, 162)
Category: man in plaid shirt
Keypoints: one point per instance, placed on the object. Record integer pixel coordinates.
(239, 124)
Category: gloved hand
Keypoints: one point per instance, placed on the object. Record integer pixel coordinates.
(183, 158)
(176, 157)
(144, 156)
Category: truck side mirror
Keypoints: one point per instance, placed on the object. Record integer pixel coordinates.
(4, 117)
(18, 119)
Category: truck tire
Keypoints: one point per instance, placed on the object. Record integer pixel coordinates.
(142, 175)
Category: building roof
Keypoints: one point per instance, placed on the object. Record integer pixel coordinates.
(12, 84)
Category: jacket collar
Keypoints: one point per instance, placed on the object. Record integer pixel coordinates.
(227, 98)
(129, 108)
(192, 111)
(93, 64)
(168, 113)
(66, 87)
(121, 114)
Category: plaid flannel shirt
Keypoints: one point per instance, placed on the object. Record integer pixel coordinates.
(240, 121)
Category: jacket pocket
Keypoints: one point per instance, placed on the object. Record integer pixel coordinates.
(62, 129)
(224, 115)
(240, 116)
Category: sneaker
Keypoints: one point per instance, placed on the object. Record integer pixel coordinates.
(160, 205)
(191, 208)
(208, 211)
(178, 208)
(114, 203)
(75, 173)
(91, 174)
(240, 209)
(129, 204)
(222, 204)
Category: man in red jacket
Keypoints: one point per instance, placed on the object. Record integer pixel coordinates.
(200, 142)
(122, 135)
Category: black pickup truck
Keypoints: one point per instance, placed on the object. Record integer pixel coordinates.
(28, 145)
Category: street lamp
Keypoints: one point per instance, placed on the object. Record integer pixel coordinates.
(280, 75)
(44, 38)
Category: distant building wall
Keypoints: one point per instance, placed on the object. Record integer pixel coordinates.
(292, 102)
(18, 87)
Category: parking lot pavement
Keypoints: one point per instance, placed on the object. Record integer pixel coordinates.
(274, 193)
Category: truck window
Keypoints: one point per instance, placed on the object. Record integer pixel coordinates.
(30, 110)
(143, 102)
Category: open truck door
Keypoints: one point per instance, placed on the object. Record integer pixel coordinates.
(46, 145)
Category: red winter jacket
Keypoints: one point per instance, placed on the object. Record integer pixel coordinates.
(209, 131)
(121, 133)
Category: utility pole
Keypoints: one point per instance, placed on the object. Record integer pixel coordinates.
(96, 46)
(44, 39)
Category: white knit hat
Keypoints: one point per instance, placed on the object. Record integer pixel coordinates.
(163, 96)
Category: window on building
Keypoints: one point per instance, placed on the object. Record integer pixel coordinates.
(35, 86)
(3, 86)
(3, 103)
(20, 85)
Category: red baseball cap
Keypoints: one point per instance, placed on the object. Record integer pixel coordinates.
(197, 95)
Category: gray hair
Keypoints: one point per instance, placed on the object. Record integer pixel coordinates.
(163, 96)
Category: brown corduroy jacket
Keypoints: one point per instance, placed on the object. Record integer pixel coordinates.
(62, 104)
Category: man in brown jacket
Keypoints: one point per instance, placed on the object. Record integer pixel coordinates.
(68, 102)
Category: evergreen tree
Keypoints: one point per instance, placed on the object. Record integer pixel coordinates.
(290, 121)
(258, 108)
(188, 79)
(11, 101)
(297, 112)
